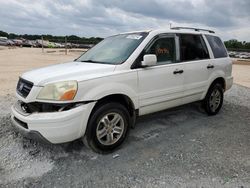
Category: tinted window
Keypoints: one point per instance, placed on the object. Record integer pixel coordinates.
(192, 47)
(164, 49)
(217, 46)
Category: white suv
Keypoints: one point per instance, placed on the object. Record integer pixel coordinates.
(99, 95)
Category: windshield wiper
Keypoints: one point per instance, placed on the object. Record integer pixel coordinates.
(92, 61)
(89, 61)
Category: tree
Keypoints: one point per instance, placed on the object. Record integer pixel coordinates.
(3, 34)
(61, 39)
(234, 44)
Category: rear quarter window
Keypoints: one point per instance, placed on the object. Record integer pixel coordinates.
(217, 46)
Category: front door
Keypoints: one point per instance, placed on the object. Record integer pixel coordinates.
(161, 86)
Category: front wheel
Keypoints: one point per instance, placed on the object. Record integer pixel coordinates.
(214, 99)
(107, 128)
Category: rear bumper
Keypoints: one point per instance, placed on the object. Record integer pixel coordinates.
(53, 127)
(229, 82)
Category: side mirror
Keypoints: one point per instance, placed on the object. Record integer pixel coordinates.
(149, 60)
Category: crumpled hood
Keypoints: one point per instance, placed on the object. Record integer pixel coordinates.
(67, 71)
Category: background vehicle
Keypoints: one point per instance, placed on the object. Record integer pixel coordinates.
(40, 43)
(100, 94)
(18, 42)
(6, 42)
(3, 42)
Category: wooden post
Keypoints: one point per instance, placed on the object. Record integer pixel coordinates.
(42, 45)
(66, 45)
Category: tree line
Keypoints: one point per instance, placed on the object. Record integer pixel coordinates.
(235, 44)
(230, 44)
(71, 38)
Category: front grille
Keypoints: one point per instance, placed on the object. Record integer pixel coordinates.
(23, 87)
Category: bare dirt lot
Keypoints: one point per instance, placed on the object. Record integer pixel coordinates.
(180, 147)
(241, 74)
(13, 62)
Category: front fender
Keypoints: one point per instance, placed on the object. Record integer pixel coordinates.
(96, 89)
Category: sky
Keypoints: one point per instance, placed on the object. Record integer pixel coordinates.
(101, 18)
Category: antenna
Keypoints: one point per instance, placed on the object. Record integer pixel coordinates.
(170, 25)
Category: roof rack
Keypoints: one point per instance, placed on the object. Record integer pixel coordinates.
(192, 28)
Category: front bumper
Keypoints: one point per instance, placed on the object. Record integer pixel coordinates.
(53, 127)
(35, 135)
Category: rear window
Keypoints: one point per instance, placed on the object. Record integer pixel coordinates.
(217, 46)
(192, 47)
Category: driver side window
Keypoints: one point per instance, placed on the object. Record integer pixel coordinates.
(164, 49)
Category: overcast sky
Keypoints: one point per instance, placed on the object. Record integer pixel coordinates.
(229, 18)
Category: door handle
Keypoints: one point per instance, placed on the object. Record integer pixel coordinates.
(178, 71)
(210, 66)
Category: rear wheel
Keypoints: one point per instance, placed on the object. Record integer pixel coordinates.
(214, 99)
(107, 128)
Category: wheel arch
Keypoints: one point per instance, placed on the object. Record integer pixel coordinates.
(219, 80)
(121, 99)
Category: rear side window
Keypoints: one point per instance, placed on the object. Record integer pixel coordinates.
(217, 46)
(192, 47)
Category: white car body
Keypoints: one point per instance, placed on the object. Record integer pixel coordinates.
(150, 89)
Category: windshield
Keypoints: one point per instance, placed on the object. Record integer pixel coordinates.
(113, 50)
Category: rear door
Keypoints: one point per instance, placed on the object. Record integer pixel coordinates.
(220, 60)
(195, 56)
(161, 86)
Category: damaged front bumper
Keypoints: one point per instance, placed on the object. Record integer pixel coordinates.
(55, 125)
(21, 128)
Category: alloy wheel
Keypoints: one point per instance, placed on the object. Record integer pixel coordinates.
(110, 128)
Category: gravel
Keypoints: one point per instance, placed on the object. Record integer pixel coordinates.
(180, 147)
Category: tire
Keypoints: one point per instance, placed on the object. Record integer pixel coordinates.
(107, 128)
(214, 99)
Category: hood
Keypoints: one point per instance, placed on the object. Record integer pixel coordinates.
(67, 71)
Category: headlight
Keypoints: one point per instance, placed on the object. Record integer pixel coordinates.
(61, 91)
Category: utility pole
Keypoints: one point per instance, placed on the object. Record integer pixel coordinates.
(42, 45)
(66, 45)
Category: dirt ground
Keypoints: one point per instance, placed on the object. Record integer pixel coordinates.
(241, 74)
(180, 147)
(13, 62)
